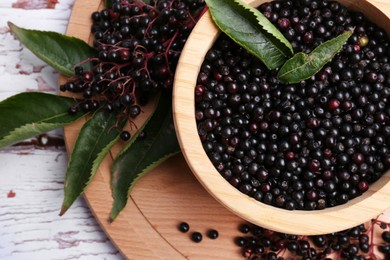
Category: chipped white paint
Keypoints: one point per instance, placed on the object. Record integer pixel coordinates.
(31, 178)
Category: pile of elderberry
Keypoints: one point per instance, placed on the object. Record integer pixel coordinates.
(357, 243)
(306, 146)
(138, 47)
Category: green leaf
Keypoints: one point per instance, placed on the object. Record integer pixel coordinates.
(28, 114)
(108, 3)
(144, 154)
(252, 30)
(59, 51)
(96, 138)
(302, 66)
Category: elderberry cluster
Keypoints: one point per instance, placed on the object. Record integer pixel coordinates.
(139, 45)
(357, 243)
(306, 146)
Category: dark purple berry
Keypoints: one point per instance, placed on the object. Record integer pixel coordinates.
(283, 23)
(386, 236)
(244, 228)
(125, 135)
(196, 237)
(184, 227)
(134, 111)
(213, 234)
(334, 104)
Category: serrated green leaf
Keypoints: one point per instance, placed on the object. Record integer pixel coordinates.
(94, 141)
(59, 51)
(144, 154)
(252, 30)
(28, 114)
(302, 66)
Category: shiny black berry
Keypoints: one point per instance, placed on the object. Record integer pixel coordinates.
(125, 135)
(184, 227)
(196, 237)
(386, 236)
(212, 233)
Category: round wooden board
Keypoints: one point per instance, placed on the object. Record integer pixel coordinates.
(147, 228)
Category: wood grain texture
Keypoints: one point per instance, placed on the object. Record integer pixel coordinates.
(363, 208)
(147, 228)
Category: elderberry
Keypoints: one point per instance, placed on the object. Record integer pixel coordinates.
(354, 243)
(213, 234)
(125, 135)
(196, 237)
(184, 227)
(386, 236)
(307, 146)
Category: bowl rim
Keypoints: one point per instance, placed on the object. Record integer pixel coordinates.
(357, 211)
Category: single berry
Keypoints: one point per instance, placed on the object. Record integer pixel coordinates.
(334, 104)
(386, 236)
(73, 110)
(363, 186)
(363, 41)
(240, 241)
(384, 249)
(184, 227)
(212, 233)
(134, 111)
(244, 228)
(78, 70)
(125, 135)
(283, 23)
(196, 237)
(248, 251)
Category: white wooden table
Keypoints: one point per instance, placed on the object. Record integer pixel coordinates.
(31, 175)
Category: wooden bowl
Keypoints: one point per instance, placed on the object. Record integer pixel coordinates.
(357, 211)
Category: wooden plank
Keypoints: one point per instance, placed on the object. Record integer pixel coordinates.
(31, 194)
(31, 190)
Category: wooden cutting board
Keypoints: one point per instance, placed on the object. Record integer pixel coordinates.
(147, 228)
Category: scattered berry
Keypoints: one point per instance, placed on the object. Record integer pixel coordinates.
(213, 234)
(240, 241)
(125, 135)
(244, 228)
(184, 227)
(196, 237)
